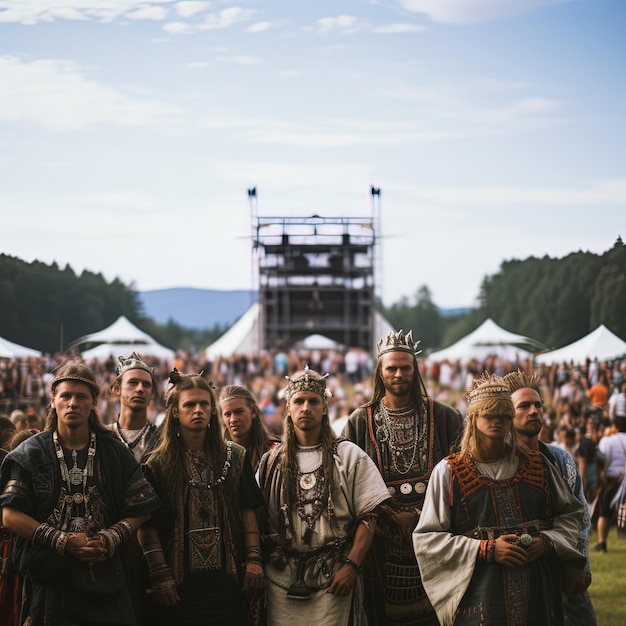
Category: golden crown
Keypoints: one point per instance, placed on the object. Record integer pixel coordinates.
(398, 342)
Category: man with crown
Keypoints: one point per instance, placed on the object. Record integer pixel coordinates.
(405, 433)
(496, 540)
(135, 386)
(323, 495)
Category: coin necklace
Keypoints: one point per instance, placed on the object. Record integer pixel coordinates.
(75, 477)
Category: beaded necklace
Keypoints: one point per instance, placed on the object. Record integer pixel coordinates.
(391, 430)
(205, 484)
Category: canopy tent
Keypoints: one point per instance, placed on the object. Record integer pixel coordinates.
(319, 342)
(243, 337)
(10, 350)
(121, 339)
(106, 350)
(601, 344)
(487, 339)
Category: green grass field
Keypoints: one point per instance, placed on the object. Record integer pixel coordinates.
(608, 586)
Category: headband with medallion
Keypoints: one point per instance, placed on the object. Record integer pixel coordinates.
(77, 379)
(133, 362)
(398, 342)
(487, 387)
(306, 380)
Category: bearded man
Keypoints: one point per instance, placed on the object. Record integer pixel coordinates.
(406, 433)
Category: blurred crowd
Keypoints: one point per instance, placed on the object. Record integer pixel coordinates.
(581, 400)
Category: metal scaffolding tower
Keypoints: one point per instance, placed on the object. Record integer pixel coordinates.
(316, 275)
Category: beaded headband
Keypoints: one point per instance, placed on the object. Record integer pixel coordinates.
(133, 362)
(398, 342)
(488, 386)
(79, 379)
(306, 380)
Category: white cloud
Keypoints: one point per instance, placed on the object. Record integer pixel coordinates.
(189, 8)
(53, 94)
(32, 11)
(345, 24)
(259, 27)
(474, 11)
(225, 18)
(177, 28)
(148, 13)
(397, 29)
(593, 193)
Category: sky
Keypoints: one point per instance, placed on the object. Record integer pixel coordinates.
(130, 132)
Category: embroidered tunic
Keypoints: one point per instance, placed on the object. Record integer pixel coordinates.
(467, 502)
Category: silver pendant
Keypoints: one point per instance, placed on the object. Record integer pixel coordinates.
(75, 476)
(307, 481)
(406, 488)
(78, 525)
(420, 487)
(78, 498)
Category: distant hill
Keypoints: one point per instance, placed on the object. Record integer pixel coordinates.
(196, 308)
(203, 308)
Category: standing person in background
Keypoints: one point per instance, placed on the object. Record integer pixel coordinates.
(244, 423)
(613, 450)
(323, 498)
(135, 387)
(617, 403)
(528, 404)
(497, 532)
(74, 495)
(405, 433)
(203, 548)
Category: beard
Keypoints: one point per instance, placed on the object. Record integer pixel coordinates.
(398, 388)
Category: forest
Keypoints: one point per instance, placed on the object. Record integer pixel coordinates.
(554, 301)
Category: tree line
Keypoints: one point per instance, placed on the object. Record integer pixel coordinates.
(554, 301)
(47, 308)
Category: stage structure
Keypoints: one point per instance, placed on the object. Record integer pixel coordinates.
(317, 275)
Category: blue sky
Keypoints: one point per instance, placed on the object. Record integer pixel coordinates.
(130, 132)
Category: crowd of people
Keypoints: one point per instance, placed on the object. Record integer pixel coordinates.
(299, 486)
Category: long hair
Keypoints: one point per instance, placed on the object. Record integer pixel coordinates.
(73, 371)
(418, 390)
(261, 437)
(170, 452)
(491, 406)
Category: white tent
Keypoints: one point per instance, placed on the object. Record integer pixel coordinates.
(121, 339)
(319, 342)
(600, 344)
(487, 339)
(243, 337)
(10, 350)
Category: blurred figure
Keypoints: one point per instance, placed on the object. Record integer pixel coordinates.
(244, 423)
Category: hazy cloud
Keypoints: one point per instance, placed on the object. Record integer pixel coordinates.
(53, 93)
(398, 29)
(474, 11)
